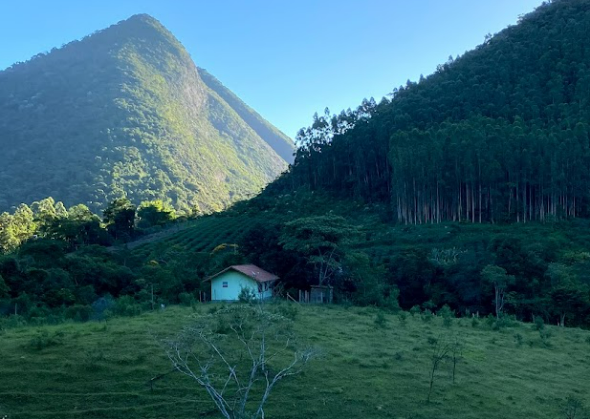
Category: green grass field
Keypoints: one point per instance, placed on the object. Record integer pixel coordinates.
(94, 370)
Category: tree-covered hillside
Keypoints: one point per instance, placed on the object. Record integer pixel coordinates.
(447, 153)
(500, 134)
(282, 144)
(125, 112)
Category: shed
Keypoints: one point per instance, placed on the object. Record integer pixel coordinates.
(227, 284)
(322, 294)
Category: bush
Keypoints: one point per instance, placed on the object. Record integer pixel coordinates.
(519, 339)
(223, 326)
(127, 306)
(102, 308)
(415, 310)
(43, 340)
(14, 320)
(80, 313)
(447, 314)
(403, 316)
(427, 316)
(246, 295)
(186, 299)
(503, 322)
(490, 320)
(539, 323)
(545, 336)
(288, 310)
(474, 322)
(380, 320)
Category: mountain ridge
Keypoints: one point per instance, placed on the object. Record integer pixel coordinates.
(124, 111)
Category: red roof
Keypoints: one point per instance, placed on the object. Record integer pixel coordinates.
(251, 271)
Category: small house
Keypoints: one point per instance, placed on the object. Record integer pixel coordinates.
(227, 284)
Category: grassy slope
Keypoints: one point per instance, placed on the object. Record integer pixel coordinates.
(101, 372)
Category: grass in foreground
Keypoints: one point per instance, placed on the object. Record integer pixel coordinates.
(377, 369)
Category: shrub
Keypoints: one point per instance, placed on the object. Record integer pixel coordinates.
(574, 408)
(474, 322)
(186, 299)
(415, 310)
(79, 313)
(288, 310)
(43, 340)
(539, 323)
(503, 322)
(246, 295)
(380, 320)
(490, 320)
(519, 339)
(427, 315)
(545, 336)
(223, 326)
(127, 306)
(102, 308)
(447, 314)
(403, 316)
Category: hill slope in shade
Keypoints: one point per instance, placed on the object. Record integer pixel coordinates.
(499, 134)
(125, 111)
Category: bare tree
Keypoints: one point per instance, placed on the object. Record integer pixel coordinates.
(456, 354)
(237, 356)
(573, 408)
(440, 352)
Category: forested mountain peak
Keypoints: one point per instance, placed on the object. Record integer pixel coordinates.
(124, 111)
(499, 134)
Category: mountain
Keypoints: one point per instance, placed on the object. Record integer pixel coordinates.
(125, 111)
(282, 144)
(499, 134)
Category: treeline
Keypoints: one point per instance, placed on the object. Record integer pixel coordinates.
(55, 263)
(500, 134)
(78, 226)
(523, 270)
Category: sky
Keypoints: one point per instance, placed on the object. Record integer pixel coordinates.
(285, 58)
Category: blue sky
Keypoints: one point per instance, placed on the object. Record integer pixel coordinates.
(285, 58)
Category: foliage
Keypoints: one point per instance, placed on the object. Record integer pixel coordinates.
(500, 134)
(43, 340)
(155, 213)
(500, 280)
(321, 240)
(380, 320)
(125, 112)
(246, 295)
(119, 217)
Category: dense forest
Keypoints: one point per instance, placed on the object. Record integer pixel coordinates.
(125, 112)
(499, 134)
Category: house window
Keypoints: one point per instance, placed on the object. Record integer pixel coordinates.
(224, 285)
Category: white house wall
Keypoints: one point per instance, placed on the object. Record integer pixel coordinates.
(235, 282)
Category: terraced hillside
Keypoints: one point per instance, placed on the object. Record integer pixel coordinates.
(204, 235)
